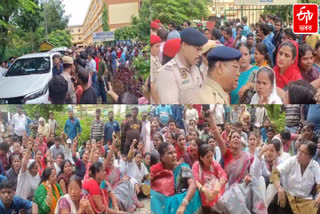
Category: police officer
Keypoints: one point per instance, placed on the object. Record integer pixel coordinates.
(204, 65)
(223, 75)
(155, 66)
(179, 78)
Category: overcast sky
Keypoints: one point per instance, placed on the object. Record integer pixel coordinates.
(77, 9)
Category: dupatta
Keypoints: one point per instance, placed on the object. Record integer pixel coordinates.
(291, 74)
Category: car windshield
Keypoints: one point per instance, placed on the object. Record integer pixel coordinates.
(21, 67)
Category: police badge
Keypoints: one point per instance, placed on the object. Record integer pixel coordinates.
(183, 74)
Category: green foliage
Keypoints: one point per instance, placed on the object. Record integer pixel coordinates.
(178, 11)
(60, 38)
(105, 25)
(142, 23)
(277, 116)
(54, 11)
(125, 33)
(142, 66)
(44, 110)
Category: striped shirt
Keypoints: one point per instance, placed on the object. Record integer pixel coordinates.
(97, 130)
(293, 115)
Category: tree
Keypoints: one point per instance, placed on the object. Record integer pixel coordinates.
(60, 38)
(54, 11)
(178, 11)
(142, 23)
(9, 9)
(105, 19)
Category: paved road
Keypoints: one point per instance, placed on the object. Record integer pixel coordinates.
(146, 209)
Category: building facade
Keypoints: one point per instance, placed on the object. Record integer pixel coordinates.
(119, 15)
(76, 35)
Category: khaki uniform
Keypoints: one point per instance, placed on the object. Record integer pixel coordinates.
(155, 66)
(71, 95)
(204, 71)
(176, 84)
(211, 93)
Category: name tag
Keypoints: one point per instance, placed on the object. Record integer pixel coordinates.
(185, 81)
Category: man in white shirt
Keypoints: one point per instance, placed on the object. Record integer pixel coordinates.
(52, 123)
(300, 173)
(19, 122)
(93, 69)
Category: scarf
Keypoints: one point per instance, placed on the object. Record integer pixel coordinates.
(54, 196)
(291, 74)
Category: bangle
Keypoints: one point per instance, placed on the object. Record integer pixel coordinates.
(184, 200)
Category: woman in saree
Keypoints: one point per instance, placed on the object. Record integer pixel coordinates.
(74, 202)
(246, 70)
(64, 176)
(99, 192)
(240, 185)
(173, 185)
(210, 178)
(301, 174)
(180, 145)
(122, 187)
(48, 192)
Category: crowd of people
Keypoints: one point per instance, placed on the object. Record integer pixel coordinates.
(44, 168)
(233, 63)
(88, 74)
(234, 159)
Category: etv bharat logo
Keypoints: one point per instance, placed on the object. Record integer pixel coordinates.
(304, 15)
(305, 20)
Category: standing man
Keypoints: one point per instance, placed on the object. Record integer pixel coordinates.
(113, 59)
(19, 122)
(103, 70)
(58, 66)
(179, 78)
(264, 35)
(72, 127)
(223, 75)
(164, 114)
(110, 127)
(35, 124)
(277, 38)
(66, 74)
(132, 130)
(92, 66)
(144, 123)
(96, 131)
(173, 31)
(53, 124)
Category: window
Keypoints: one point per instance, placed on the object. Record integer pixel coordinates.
(79, 38)
(71, 31)
(79, 30)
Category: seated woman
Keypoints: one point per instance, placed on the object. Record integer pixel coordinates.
(99, 192)
(210, 178)
(64, 176)
(192, 156)
(180, 145)
(308, 71)
(73, 202)
(48, 192)
(237, 165)
(122, 187)
(286, 68)
(300, 92)
(172, 184)
(266, 89)
(13, 172)
(137, 170)
(28, 178)
(301, 173)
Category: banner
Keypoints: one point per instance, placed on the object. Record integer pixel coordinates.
(103, 36)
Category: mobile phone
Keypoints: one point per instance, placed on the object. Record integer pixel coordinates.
(106, 82)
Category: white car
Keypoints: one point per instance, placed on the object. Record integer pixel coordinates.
(26, 81)
(61, 50)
